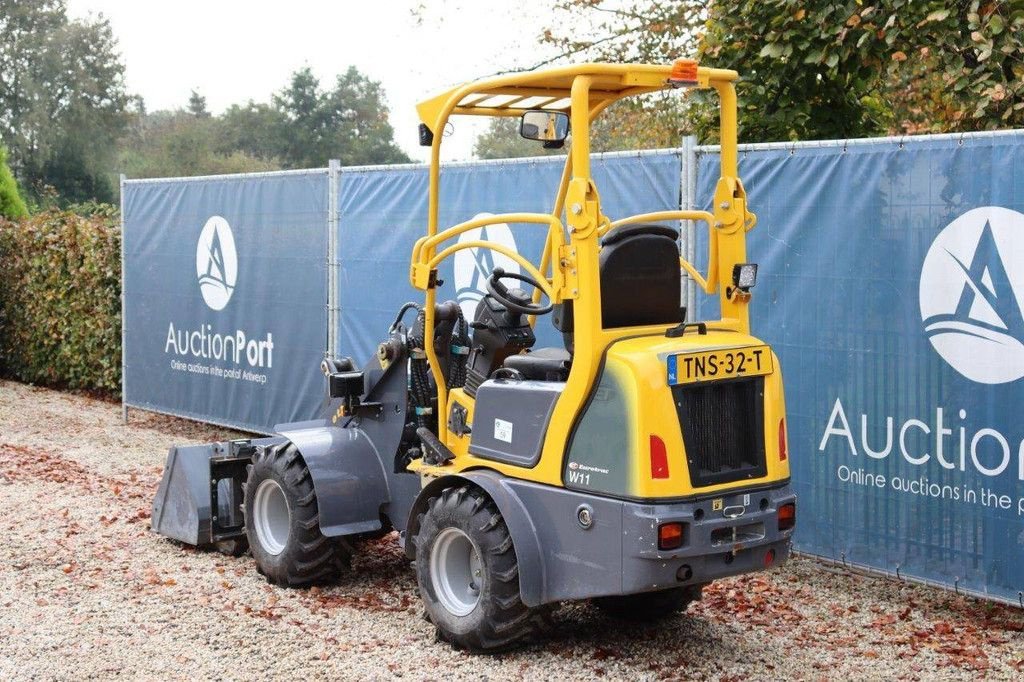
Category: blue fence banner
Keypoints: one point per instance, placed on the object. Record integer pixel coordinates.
(892, 288)
(225, 297)
(383, 211)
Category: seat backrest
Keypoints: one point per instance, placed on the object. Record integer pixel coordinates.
(640, 276)
(640, 280)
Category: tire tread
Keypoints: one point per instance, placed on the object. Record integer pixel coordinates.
(309, 557)
(506, 622)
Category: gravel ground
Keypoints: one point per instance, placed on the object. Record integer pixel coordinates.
(86, 590)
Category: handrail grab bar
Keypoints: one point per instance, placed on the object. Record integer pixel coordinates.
(535, 218)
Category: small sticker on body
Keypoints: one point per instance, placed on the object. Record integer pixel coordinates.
(503, 430)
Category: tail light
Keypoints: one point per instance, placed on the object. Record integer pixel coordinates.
(783, 454)
(787, 516)
(659, 458)
(670, 536)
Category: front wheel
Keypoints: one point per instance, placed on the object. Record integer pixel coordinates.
(468, 574)
(282, 522)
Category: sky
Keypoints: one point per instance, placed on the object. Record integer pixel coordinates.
(232, 51)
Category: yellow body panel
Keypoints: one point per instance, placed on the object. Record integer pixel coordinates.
(571, 256)
(640, 365)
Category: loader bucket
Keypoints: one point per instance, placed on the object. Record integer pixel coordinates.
(200, 495)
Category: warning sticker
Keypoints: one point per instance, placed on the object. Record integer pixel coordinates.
(503, 430)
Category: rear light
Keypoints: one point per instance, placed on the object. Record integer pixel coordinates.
(670, 536)
(787, 516)
(659, 458)
(782, 440)
(769, 558)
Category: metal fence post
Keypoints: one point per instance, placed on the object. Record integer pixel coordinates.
(333, 309)
(688, 199)
(124, 360)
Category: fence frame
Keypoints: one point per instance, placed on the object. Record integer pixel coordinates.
(689, 153)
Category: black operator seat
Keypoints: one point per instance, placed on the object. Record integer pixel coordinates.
(640, 285)
(640, 280)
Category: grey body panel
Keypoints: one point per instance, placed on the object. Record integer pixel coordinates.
(182, 506)
(560, 560)
(511, 418)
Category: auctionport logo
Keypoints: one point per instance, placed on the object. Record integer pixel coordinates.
(216, 263)
(473, 266)
(972, 284)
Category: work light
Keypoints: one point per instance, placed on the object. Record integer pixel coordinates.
(744, 276)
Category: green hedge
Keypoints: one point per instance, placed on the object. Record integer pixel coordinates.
(60, 308)
(11, 204)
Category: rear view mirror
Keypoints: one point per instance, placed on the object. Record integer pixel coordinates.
(544, 126)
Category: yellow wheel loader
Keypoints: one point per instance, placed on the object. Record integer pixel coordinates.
(639, 460)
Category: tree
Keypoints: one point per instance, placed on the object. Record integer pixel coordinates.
(501, 140)
(349, 122)
(651, 31)
(256, 129)
(11, 205)
(821, 70)
(197, 105)
(62, 99)
(304, 126)
(306, 119)
(179, 143)
(860, 68)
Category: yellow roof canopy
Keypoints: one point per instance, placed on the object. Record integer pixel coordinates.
(550, 89)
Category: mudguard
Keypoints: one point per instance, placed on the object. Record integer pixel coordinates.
(352, 459)
(525, 537)
(348, 477)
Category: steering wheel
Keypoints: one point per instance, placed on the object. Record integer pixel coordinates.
(516, 301)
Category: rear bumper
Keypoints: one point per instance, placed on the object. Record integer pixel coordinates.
(723, 536)
(565, 554)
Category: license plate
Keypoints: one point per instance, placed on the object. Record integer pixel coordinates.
(714, 365)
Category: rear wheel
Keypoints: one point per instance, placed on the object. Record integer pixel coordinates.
(468, 574)
(282, 523)
(648, 606)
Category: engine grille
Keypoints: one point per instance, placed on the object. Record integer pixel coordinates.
(723, 430)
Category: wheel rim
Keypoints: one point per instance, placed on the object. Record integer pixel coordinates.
(271, 517)
(456, 571)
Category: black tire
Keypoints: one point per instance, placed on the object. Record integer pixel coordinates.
(499, 620)
(649, 606)
(302, 555)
